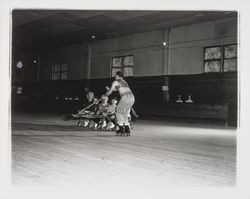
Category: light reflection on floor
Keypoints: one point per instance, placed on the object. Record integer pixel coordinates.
(49, 151)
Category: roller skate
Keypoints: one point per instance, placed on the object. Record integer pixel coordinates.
(86, 123)
(80, 123)
(127, 130)
(120, 131)
(104, 124)
(95, 126)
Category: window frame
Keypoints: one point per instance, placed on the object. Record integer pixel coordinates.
(60, 71)
(222, 59)
(122, 64)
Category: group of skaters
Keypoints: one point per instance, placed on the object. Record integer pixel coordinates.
(109, 114)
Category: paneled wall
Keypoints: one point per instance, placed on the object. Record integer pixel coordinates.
(187, 43)
(147, 49)
(151, 57)
(75, 56)
(28, 73)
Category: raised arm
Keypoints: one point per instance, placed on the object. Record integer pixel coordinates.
(114, 84)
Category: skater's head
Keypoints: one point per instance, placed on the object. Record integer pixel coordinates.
(104, 98)
(90, 96)
(113, 101)
(118, 75)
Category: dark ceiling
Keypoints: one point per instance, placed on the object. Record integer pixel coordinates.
(36, 29)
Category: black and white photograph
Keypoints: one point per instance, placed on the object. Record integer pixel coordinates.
(125, 98)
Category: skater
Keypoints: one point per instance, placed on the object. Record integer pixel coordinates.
(111, 119)
(105, 116)
(124, 105)
(102, 111)
(90, 100)
(90, 108)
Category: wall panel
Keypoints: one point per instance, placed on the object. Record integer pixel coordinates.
(225, 28)
(148, 39)
(141, 64)
(96, 70)
(180, 61)
(196, 60)
(192, 32)
(155, 62)
(104, 46)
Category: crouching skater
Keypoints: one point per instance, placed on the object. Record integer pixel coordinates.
(110, 115)
(124, 105)
(99, 117)
(89, 109)
(105, 115)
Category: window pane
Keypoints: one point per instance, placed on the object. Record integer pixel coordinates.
(117, 62)
(230, 51)
(128, 71)
(213, 53)
(56, 68)
(64, 75)
(114, 70)
(212, 66)
(64, 67)
(128, 61)
(230, 65)
(56, 76)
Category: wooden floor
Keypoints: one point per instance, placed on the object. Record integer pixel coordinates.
(49, 151)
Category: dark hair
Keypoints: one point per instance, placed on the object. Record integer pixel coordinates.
(119, 73)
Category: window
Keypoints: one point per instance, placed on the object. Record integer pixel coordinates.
(124, 64)
(59, 71)
(220, 58)
(230, 58)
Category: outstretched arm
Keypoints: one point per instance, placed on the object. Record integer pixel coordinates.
(114, 84)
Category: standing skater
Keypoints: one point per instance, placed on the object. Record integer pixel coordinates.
(125, 103)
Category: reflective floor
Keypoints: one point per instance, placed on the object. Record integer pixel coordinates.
(49, 151)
